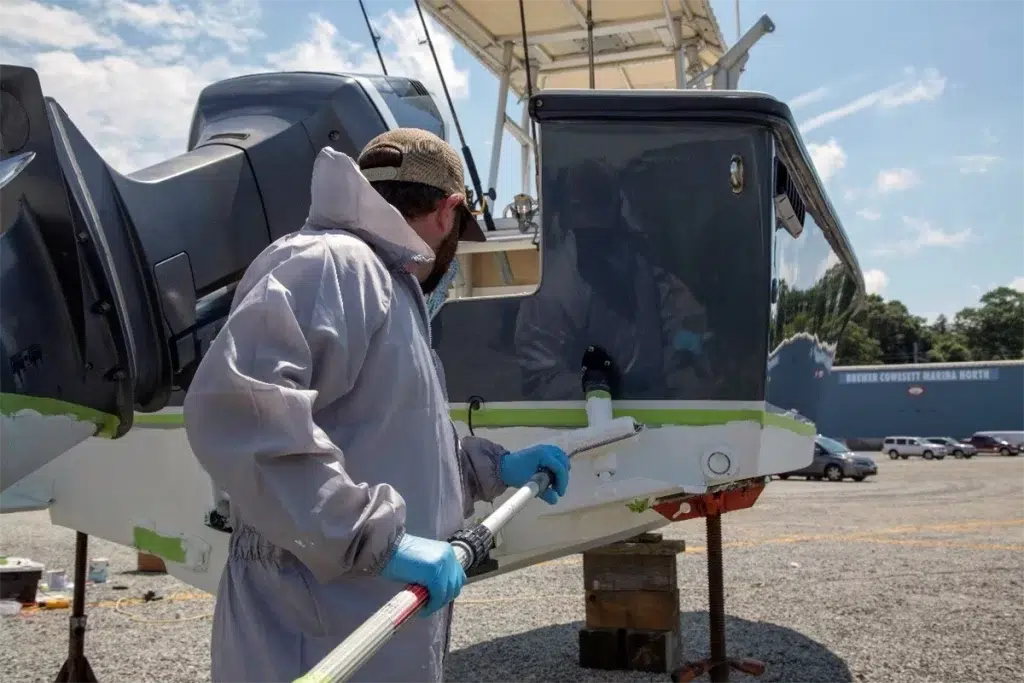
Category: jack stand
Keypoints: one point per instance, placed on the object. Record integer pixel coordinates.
(712, 506)
(76, 668)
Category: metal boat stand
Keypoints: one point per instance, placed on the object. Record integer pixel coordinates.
(711, 507)
(76, 668)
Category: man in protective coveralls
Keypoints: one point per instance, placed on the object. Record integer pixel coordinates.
(321, 411)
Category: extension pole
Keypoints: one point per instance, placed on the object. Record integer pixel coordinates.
(471, 547)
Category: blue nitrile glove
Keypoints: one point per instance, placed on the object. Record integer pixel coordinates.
(518, 467)
(427, 563)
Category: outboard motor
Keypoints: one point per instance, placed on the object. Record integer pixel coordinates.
(112, 286)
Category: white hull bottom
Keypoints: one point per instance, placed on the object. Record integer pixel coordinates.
(146, 490)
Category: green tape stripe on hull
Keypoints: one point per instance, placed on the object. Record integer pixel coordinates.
(575, 417)
(665, 417)
(168, 547)
(106, 424)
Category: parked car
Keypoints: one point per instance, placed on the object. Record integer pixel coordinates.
(834, 461)
(959, 449)
(986, 443)
(906, 446)
(1012, 438)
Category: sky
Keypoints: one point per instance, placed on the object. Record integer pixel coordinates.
(915, 122)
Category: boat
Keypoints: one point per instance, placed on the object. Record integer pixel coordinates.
(755, 264)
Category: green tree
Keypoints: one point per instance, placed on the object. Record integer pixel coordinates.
(857, 347)
(995, 329)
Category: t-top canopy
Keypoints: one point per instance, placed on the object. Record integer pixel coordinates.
(637, 43)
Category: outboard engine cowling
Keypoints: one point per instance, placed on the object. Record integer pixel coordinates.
(112, 286)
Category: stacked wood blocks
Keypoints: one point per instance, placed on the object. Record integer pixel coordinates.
(632, 604)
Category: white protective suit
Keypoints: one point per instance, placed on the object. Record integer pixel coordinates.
(319, 410)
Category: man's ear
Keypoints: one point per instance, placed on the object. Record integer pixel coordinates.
(449, 205)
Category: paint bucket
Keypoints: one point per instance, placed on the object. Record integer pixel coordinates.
(99, 570)
(56, 580)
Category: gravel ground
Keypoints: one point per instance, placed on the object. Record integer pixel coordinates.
(916, 575)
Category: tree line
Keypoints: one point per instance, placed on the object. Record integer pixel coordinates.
(885, 332)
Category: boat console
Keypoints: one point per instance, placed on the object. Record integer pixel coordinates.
(688, 235)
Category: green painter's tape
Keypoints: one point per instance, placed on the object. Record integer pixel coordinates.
(168, 547)
(160, 419)
(577, 417)
(13, 403)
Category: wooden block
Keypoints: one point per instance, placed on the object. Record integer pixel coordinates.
(644, 610)
(628, 650)
(640, 547)
(151, 563)
(603, 572)
(653, 651)
(602, 648)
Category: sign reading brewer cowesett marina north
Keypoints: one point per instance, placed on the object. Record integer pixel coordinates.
(906, 376)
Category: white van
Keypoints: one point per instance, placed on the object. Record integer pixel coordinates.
(906, 446)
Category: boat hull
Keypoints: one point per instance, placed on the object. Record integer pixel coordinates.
(147, 490)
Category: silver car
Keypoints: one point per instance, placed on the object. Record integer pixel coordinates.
(834, 461)
(959, 449)
(906, 446)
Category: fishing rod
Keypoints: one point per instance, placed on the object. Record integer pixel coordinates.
(529, 95)
(466, 153)
(373, 37)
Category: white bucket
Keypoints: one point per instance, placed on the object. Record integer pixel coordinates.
(99, 570)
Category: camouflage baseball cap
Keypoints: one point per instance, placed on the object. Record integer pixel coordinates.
(422, 157)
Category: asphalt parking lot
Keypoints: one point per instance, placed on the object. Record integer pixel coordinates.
(914, 575)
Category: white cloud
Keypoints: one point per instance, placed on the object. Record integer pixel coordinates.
(923, 235)
(869, 214)
(988, 137)
(326, 50)
(128, 73)
(828, 158)
(875, 281)
(896, 180)
(1017, 283)
(913, 88)
(809, 97)
(976, 163)
(26, 22)
(851, 194)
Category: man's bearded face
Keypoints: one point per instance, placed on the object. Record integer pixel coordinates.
(443, 257)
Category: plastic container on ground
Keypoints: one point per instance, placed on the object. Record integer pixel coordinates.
(99, 570)
(9, 608)
(19, 579)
